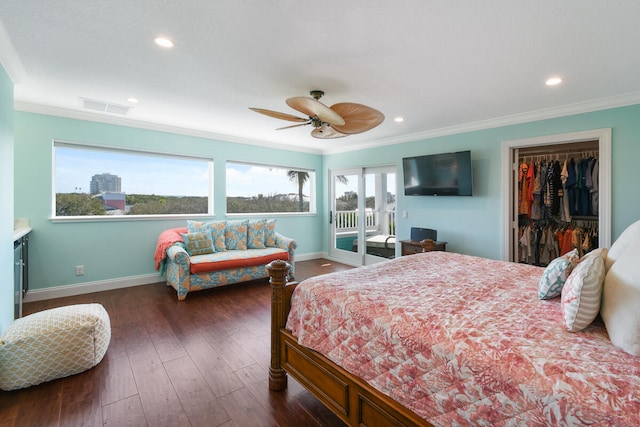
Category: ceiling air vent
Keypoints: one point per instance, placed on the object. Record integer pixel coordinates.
(105, 107)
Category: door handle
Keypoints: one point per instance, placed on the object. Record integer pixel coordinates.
(330, 217)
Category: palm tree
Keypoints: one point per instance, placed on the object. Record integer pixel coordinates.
(301, 177)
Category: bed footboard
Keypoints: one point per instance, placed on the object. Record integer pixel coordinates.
(349, 397)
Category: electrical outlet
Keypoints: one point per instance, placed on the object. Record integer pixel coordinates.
(79, 270)
(405, 214)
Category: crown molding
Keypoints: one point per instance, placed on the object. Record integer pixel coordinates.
(624, 100)
(69, 113)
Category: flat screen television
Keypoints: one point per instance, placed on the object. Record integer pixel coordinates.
(446, 174)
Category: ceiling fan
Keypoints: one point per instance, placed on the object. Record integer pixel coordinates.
(342, 119)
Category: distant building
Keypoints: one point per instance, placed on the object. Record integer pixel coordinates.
(113, 201)
(105, 182)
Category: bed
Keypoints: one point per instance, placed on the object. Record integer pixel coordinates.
(441, 338)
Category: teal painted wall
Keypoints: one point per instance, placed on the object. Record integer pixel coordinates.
(472, 225)
(121, 249)
(6, 200)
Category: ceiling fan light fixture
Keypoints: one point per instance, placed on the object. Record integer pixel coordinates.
(339, 120)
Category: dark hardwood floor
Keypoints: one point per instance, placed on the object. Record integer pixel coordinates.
(199, 362)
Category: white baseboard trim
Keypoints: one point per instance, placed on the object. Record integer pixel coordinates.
(89, 287)
(309, 256)
(123, 282)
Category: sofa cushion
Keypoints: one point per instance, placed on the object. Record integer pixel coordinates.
(255, 234)
(235, 235)
(198, 243)
(236, 259)
(270, 233)
(216, 228)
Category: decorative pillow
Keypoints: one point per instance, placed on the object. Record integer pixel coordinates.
(270, 233)
(235, 235)
(216, 228)
(255, 234)
(621, 297)
(629, 235)
(199, 243)
(556, 274)
(582, 292)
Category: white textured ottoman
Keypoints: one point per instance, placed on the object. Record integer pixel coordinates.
(53, 344)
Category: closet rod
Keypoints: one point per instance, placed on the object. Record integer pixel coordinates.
(557, 156)
(578, 148)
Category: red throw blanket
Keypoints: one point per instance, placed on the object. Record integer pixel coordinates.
(165, 240)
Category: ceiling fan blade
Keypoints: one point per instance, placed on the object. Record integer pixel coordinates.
(326, 132)
(313, 108)
(358, 118)
(279, 115)
(295, 126)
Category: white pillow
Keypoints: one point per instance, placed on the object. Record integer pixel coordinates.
(582, 292)
(621, 296)
(628, 236)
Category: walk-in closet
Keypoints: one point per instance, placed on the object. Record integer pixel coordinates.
(558, 201)
(559, 195)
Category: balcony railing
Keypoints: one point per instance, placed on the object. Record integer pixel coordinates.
(347, 221)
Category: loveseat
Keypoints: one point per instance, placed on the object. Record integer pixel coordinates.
(204, 255)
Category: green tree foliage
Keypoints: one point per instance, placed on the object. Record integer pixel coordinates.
(76, 204)
(145, 204)
(264, 204)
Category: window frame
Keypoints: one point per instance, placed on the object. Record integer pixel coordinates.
(140, 152)
(312, 191)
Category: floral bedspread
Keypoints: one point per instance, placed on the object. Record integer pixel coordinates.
(463, 340)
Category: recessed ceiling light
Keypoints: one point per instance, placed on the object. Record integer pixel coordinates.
(164, 42)
(132, 100)
(553, 81)
(398, 119)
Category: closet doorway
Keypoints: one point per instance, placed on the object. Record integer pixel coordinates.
(595, 143)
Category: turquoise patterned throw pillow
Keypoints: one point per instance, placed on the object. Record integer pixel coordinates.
(255, 234)
(556, 274)
(270, 233)
(235, 235)
(216, 228)
(199, 243)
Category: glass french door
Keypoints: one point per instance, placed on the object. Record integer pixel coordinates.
(362, 216)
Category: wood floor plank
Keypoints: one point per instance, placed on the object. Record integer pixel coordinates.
(118, 382)
(158, 397)
(245, 410)
(42, 408)
(202, 361)
(213, 368)
(81, 404)
(124, 413)
(198, 400)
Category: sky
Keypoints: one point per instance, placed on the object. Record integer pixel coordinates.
(171, 176)
(168, 176)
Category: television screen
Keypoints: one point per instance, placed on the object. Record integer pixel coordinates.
(447, 174)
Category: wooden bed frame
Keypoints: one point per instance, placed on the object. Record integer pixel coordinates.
(351, 398)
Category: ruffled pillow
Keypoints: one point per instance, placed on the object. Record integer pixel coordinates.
(556, 274)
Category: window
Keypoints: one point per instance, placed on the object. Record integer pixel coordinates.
(269, 189)
(90, 180)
